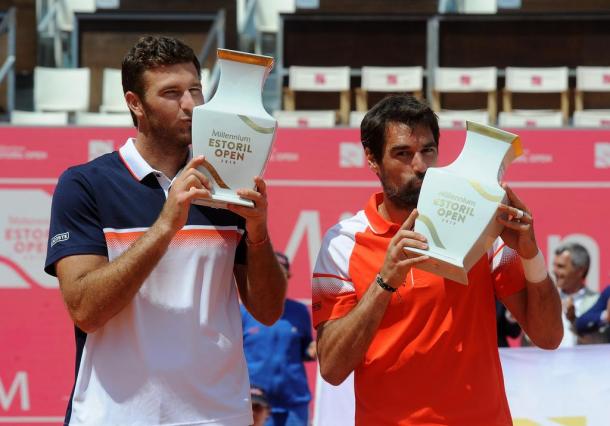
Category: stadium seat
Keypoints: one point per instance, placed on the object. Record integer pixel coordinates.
(536, 80)
(592, 118)
(113, 99)
(64, 22)
(322, 119)
(94, 119)
(61, 89)
(319, 79)
(355, 118)
(38, 118)
(591, 80)
(267, 18)
(389, 80)
(457, 119)
(466, 80)
(67, 9)
(531, 118)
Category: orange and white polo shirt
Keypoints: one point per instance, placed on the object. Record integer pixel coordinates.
(434, 359)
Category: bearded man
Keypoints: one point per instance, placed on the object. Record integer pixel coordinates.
(422, 347)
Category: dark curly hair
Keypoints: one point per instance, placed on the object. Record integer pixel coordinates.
(151, 52)
(395, 109)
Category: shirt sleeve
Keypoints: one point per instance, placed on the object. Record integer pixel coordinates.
(507, 271)
(333, 293)
(75, 226)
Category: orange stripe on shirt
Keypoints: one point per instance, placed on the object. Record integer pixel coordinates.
(182, 236)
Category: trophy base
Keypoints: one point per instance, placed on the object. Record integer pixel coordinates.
(220, 201)
(445, 266)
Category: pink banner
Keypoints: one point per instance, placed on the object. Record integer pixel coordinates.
(315, 178)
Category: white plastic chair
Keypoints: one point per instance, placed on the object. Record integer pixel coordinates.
(388, 80)
(64, 22)
(590, 80)
(267, 18)
(67, 9)
(319, 79)
(355, 118)
(531, 118)
(457, 119)
(592, 118)
(113, 99)
(94, 119)
(38, 118)
(466, 80)
(315, 119)
(61, 89)
(537, 80)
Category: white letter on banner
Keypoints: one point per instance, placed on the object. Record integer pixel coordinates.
(587, 242)
(21, 383)
(308, 222)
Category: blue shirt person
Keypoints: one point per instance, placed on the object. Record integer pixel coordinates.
(594, 322)
(275, 357)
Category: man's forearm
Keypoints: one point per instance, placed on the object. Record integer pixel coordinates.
(543, 314)
(104, 292)
(266, 284)
(342, 343)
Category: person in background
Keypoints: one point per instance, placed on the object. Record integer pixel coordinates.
(594, 325)
(570, 267)
(275, 356)
(507, 325)
(260, 406)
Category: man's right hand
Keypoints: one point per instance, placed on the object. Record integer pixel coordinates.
(398, 262)
(189, 185)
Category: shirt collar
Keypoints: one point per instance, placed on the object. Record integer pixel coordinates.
(379, 225)
(576, 295)
(137, 165)
(134, 162)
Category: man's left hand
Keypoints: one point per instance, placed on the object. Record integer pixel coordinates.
(256, 217)
(518, 224)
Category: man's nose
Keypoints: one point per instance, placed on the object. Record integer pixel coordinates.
(187, 103)
(418, 163)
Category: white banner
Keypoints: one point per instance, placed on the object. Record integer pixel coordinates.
(568, 386)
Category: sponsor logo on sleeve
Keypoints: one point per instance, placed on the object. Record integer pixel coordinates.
(64, 236)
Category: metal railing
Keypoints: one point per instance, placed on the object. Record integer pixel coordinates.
(216, 36)
(48, 27)
(7, 70)
(247, 27)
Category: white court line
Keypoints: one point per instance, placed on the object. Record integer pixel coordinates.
(293, 183)
(31, 419)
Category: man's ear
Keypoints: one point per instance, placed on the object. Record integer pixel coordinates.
(371, 160)
(134, 103)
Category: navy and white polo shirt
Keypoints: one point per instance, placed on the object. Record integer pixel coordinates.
(174, 355)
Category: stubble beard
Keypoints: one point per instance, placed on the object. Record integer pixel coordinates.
(405, 196)
(174, 138)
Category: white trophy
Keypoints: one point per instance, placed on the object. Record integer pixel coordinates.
(233, 131)
(458, 203)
